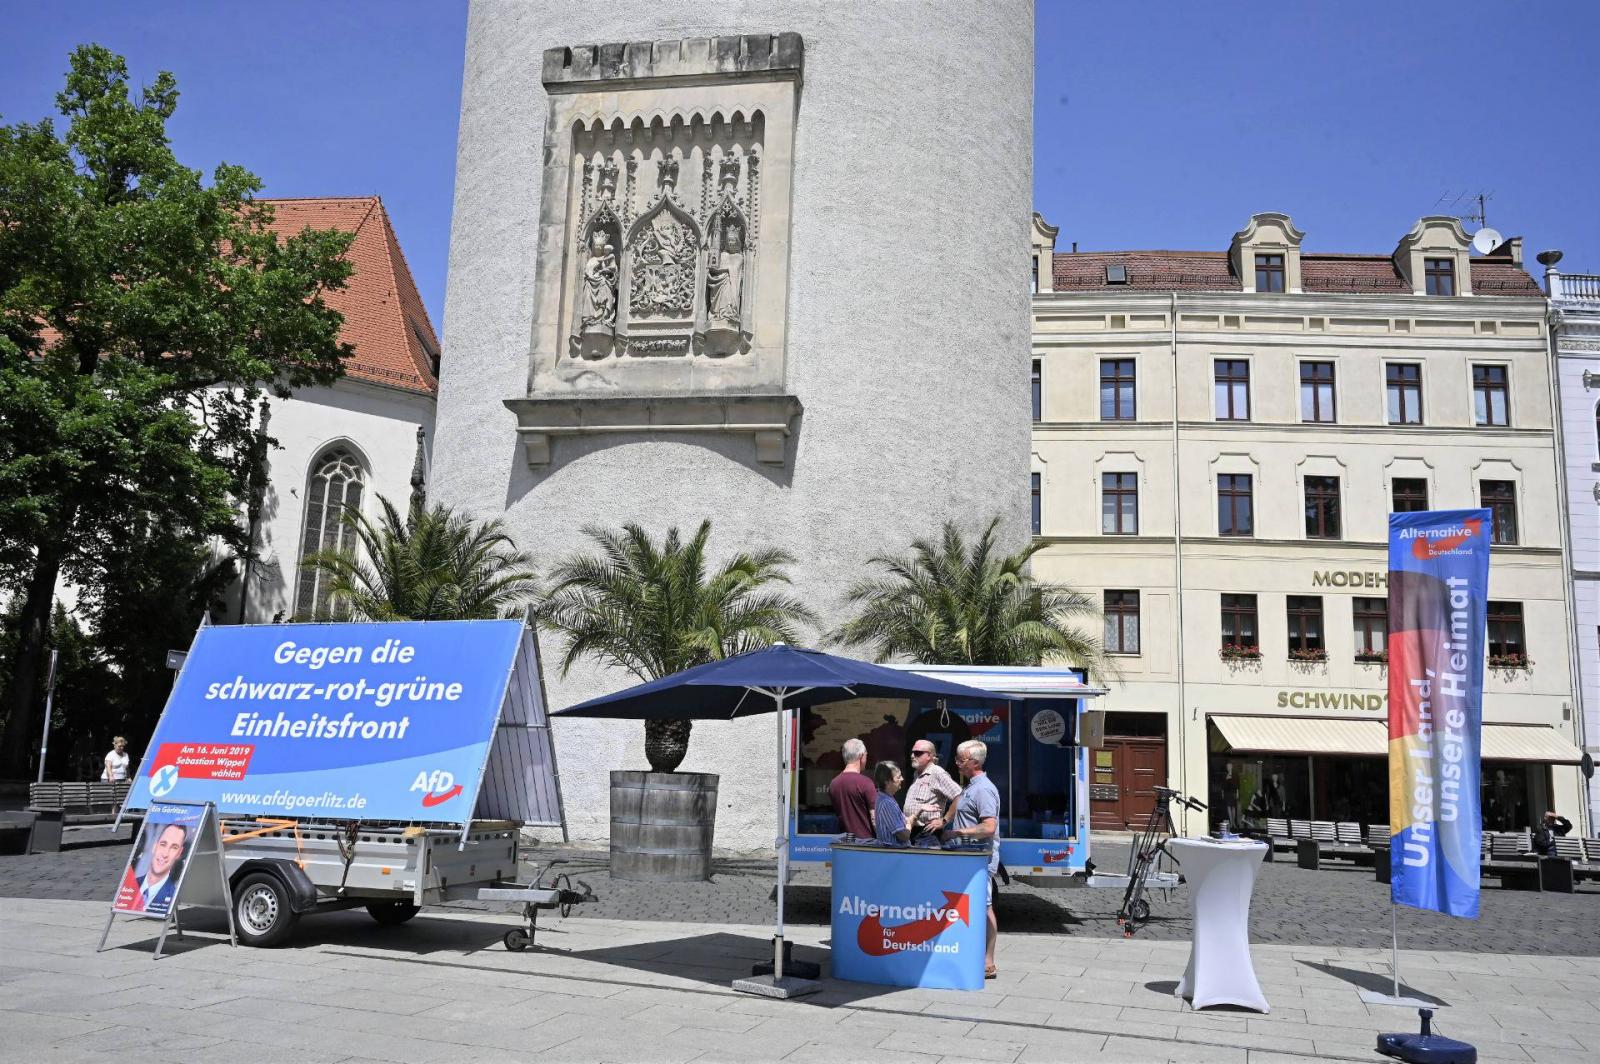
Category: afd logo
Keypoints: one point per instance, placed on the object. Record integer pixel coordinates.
(437, 787)
(1431, 543)
(924, 923)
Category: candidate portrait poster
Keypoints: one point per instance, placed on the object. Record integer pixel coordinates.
(1438, 592)
(160, 855)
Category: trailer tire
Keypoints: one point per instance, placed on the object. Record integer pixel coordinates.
(392, 913)
(262, 915)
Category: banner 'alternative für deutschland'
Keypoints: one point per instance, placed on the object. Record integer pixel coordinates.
(1438, 587)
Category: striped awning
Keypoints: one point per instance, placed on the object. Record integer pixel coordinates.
(1528, 742)
(1305, 735)
(1368, 737)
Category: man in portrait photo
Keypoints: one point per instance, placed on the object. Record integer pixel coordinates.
(160, 880)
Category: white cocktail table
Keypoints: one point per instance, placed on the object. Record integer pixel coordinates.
(1221, 876)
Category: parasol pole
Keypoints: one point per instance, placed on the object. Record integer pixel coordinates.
(783, 831)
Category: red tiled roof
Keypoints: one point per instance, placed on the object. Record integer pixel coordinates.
(383, 314)
(1205, 271)
(1210, 271)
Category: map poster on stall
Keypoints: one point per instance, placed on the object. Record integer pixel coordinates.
(336, 721)
(176, 861)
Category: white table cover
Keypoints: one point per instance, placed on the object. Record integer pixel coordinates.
(1220, 876)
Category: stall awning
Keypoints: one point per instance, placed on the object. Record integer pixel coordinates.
(1321, 735)
(1305, 735)
(1528, 742)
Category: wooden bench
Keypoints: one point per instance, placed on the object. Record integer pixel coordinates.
(1582, 854)
(79, 802)
(1278, 836)
(1325, 841)
(1512, 860)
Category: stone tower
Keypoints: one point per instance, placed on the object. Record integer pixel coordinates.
(762, 261)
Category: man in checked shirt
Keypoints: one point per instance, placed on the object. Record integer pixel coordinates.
(931, 794)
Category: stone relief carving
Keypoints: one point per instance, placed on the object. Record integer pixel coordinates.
(673, 276)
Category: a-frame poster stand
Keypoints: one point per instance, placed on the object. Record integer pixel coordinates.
(176, 861)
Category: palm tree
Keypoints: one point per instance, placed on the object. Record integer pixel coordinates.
(947, 603)
(435, 565)
(658, 609)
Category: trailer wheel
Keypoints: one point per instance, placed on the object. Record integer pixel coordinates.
(516, 940)
(261, 912)
(392, 913)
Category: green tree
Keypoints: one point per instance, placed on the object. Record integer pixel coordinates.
(143, 313)
(951, 603)
(434, 565)
(656, 609)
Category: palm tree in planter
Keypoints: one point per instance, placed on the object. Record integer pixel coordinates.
(432, 565)
(656, 609)
(953, 603)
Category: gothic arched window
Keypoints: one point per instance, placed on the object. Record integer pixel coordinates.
(335, 483)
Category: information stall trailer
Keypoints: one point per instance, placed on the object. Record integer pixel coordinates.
(1037, 759)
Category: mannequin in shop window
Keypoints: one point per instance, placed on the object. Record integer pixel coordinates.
(1230, 797)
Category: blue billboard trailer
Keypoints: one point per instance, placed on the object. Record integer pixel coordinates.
(376, 722)
(1035, 758)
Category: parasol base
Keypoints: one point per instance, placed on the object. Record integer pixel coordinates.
(767, 986)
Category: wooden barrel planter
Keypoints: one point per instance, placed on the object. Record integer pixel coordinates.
(661, 825)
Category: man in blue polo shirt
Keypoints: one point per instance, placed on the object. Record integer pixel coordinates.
(978, 817)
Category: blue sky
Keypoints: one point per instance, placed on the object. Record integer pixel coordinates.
(1157, 124)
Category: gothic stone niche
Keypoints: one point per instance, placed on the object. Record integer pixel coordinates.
(664, 266)
(664, 241)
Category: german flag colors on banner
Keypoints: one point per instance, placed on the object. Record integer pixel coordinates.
(1438, 590)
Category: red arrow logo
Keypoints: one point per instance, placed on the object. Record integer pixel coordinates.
(1429, 549)
(876, 940)
(431, 800)
(1057, 857)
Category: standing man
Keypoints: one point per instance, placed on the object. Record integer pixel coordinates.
(978, 817)
(931, 792)
(853, 793)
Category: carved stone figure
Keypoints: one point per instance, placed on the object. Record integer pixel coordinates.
(663, 269)
(597, 298)
(725, 280)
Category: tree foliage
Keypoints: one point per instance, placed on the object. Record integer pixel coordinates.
(434, 565)
(656, 609)
(144, 310)
(953, 603)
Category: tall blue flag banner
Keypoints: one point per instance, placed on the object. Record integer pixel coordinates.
(336, 721)
(1438, 591)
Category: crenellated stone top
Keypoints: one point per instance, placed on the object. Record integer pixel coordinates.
(768, 55)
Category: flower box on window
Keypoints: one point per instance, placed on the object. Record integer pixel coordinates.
(1509, 661)
(1239, 652)
(1372, 657)
(1308, 654)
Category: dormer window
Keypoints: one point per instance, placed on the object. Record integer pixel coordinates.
(1116, 275)
(1269, 273)
(1441, 276)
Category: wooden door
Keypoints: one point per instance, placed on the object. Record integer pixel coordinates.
(1123, 777)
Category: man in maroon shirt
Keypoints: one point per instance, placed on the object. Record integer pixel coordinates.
(853, 793)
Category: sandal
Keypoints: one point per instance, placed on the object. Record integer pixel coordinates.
(990, 972)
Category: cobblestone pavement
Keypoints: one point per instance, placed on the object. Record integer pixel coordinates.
(441, 990)
(1335, 906)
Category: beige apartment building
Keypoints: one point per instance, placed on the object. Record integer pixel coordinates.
(1219, 438)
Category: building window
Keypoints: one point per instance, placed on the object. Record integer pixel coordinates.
(1441, 276)
(1119, 504)
(1038, 391)
(335, 485)
(1506, 644)
(1036, 280)
(1372, 628)
(1316, 392)
(1037, 508)
(1233, 389)
(1235, 505)
(1122, 622)
(1116, 389)
(1499, 497)
(1269, 273)
(1489, 388)
(1410, 495)
(1239, 626)
(1405, 392)
(1305, 628)
(1322, 507)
